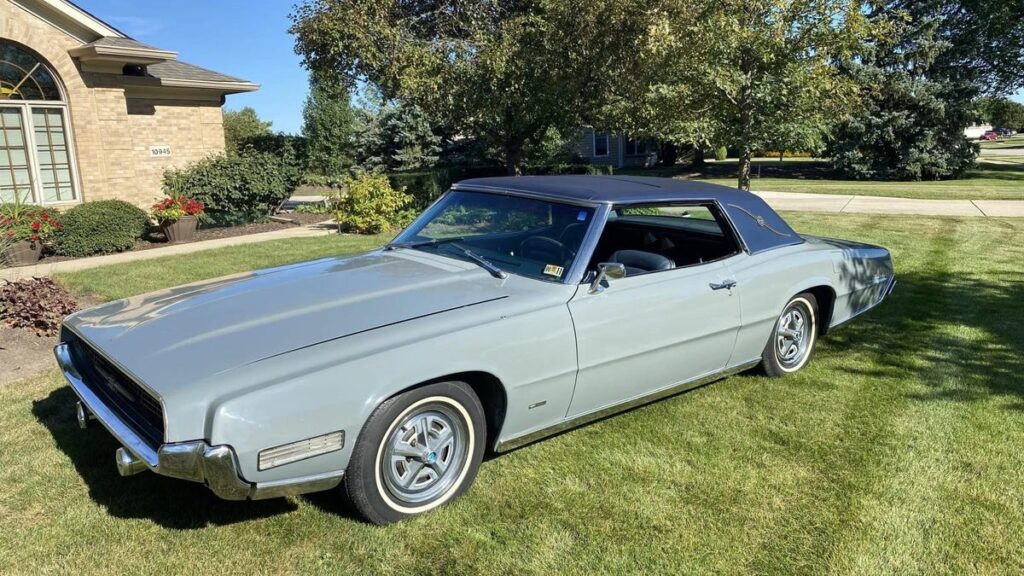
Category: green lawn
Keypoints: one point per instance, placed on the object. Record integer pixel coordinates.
(1016, 141)
(898, 450)
(989, 181)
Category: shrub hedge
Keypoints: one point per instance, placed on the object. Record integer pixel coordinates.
(235, 189)
(100, 227)
(370, 205)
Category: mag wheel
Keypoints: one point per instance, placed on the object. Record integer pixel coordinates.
(793, 337)
(417, 451)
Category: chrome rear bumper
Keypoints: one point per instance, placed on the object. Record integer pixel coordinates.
(197, 461)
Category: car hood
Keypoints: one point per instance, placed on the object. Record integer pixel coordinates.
(178, 336)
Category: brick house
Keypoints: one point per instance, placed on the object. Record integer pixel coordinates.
(606, 148)
(87, 113)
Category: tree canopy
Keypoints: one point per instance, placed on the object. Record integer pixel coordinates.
(241, 125)
(505, 71)
(328, 124)
(920, 75)
(747, 74)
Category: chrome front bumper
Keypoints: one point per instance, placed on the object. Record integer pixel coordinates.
(197, 461)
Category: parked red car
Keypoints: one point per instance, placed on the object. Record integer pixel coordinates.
(990, 135)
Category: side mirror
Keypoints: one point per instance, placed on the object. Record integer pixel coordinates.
(607, 271)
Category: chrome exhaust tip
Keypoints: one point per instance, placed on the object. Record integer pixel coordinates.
(127, 463)
(83, 415)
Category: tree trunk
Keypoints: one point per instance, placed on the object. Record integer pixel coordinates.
(744, 183)
(782, 156)
(698, 156)
(513, 154)
(745, 126)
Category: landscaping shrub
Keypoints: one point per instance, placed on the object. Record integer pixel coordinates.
(370, 205)
(721, 153)
(100, 227)
(235, 189)
(36, 303)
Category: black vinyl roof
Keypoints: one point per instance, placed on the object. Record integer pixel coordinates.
(759, 226)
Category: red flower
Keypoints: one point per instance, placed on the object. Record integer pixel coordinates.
(44, 215)
(36, 225)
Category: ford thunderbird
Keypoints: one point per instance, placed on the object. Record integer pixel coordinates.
(510, 310)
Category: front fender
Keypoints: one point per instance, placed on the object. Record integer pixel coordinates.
(529, 346)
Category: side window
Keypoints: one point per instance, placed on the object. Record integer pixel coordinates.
(656, 237)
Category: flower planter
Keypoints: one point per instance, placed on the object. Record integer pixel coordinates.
(180, 230)
(24, 253)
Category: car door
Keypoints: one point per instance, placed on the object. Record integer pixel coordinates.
(651, 331)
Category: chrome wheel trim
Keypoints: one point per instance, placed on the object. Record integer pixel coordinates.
(794, 335)
(425, 454)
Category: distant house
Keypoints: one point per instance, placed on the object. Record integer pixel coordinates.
(975, 131)
(608, 149)
(88, 113)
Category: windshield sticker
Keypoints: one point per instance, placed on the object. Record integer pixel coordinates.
(582, 216)
(553, 270)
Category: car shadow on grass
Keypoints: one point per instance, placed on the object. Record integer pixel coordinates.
(958, 334)
(171, 503)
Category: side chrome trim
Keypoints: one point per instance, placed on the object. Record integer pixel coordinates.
(128, 438)
(583, 419)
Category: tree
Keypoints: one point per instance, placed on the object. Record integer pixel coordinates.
(921, 73)
(747, 74)
(240, 126)
(328, 124)
(394, 136)
(505, 72)
(1002, 112)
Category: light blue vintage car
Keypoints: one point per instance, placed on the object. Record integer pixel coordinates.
(512, 309)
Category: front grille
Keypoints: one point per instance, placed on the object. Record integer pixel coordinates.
(135, 406)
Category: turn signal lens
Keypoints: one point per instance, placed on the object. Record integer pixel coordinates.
(315, 446)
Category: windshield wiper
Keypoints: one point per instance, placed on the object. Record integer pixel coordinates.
(431, 242)
(494, 270)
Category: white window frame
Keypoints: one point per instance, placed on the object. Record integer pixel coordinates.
(607, 144)
(31, 151)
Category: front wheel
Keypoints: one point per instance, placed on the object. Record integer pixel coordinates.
(793, 338)
(417, 451)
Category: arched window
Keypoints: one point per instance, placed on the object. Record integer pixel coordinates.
(36, 158)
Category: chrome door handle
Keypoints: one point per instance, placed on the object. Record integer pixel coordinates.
(724, 284)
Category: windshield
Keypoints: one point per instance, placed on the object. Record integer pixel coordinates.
(533, 238)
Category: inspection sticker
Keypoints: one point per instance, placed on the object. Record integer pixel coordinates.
(552, 270)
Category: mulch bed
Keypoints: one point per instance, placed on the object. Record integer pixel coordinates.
(155, 239)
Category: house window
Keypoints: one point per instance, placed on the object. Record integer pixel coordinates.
(36, 163)
(635, 147)
(600, 143)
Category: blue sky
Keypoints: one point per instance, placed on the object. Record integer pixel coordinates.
(244, 38)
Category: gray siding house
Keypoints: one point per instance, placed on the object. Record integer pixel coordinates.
(608, 149)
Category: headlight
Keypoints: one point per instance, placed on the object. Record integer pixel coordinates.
(287, 453)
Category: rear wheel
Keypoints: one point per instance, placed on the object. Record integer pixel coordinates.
(417, 451)
(793, 338)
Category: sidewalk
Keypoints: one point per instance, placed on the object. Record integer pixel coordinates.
(845, 204)
(45, 269)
